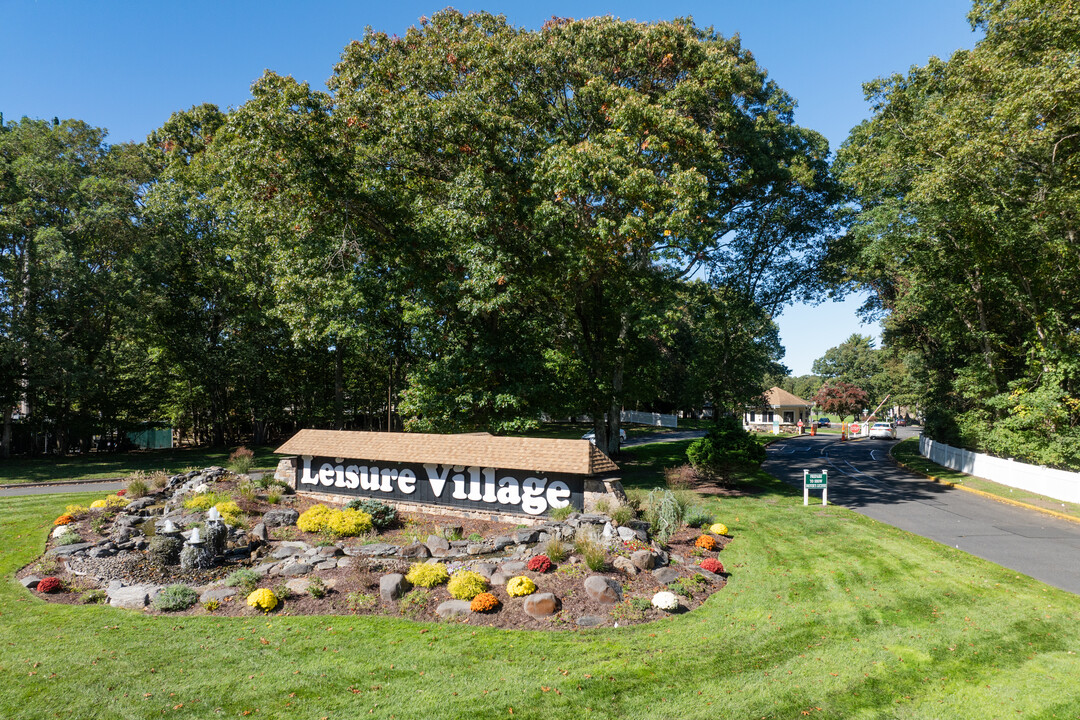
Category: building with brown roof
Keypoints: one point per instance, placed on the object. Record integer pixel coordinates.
(780, 406)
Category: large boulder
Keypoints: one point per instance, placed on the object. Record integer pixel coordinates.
(665, 575)
(603, 590)
(454, 608)
(392, 587)
(415, 550)
(643, 560)
(280, 517)
(132, 597)
(541, 605)
(625, 565)
(438, 546)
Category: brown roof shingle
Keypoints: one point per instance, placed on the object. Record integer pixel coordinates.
(778, 396)
(579, 457)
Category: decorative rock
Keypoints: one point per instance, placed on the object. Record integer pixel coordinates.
(194, 557)
(590, 620)
(501, 542)
(294, 569)
(218, 594)
(625, 565)
(260, 533)
(30, 581)
(416, 550)
(665, 575)
(454, 608)
(298, 585)
(345, 562)
(485, 569)
(65, 550)
(603, 590)
(135, 597)
(451, 531)
(711, 577)
(500, 578)
(216, 535)
(626, 533)
(393, 586)
(280, 517)
(643, 560)
(541, 605)
(284, 552)
(477, 548)
(376, 549)
(165, 550)
(526, 535)
(265, 568)
(100, 552)
(514, 568)
(328, 551)
(327, 564)
(437, 545)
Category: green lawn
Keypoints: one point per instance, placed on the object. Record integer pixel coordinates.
(907, 452)
(827, 614)
(112, 465)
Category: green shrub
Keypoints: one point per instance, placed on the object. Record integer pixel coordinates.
(688, 586)
(175, 598)
(476, 537)
(629, 611)
(696, 516)
(725, 449)
(204, 501)
(414, 602)
(317, 588)
(664, 513)
(348, 523)
(466, 584)
(68, 538)
(212, 605)
(427, 574)
(245, 579)
(382, 515)
(357, 601)
(91, 597)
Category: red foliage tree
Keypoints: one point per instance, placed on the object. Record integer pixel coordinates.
(841, 398)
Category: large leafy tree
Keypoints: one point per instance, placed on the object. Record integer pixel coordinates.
(555, 181)
(967, 228)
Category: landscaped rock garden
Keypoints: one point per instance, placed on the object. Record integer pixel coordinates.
(212, 542)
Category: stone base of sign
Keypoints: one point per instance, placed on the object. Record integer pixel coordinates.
(609, 489)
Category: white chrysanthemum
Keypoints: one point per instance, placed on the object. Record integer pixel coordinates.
(665, 601)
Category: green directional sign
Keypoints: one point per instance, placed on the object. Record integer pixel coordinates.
(815, 480)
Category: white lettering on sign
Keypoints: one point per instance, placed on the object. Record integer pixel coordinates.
(533, 495)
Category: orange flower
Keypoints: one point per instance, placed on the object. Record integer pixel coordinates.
(63, 520)
(705, 542)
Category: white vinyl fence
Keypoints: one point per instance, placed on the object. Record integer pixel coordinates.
(1059, 484)
(647, 418)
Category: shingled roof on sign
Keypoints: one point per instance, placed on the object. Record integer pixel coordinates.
(578, 457)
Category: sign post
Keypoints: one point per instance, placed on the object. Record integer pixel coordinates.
(815, 481)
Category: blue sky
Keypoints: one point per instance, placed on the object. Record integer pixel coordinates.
(126, 66)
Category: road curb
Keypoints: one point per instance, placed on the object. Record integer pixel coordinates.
(54, 483)
(991, 496)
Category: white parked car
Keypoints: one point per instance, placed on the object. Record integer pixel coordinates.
(591, 436)
(883, 430)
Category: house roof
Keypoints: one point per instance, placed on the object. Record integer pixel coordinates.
(777, 397)
(577, 457)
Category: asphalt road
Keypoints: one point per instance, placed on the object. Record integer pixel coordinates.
(863, 478)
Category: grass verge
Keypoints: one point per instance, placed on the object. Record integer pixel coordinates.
(827, 614)
(96, 466)
(906, 452)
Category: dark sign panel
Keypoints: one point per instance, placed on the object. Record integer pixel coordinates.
(474, 488)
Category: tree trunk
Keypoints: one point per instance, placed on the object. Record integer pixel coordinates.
(339, 385)
(5, 441)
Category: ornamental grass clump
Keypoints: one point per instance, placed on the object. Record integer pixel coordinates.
(50, 585)
(712, 565)
(241, 460)
(263, 599)
(427, 575)
(539, 563)
(136, 487)
(484, 602)
(520, 586)
(63, 520)
(705, 542)
(466, 585)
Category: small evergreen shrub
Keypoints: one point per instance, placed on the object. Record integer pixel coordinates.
(317, 588)
(212, 605)
(244, 579)
(520, 586)
(230, 513)
(76, 511)
(68, 538)
(382, 515)
(204, 501)
(427, 575)
(484, 602)
(348, 523)
(726, 448)
(314, 519)
(539, 563)
(175, 598)
(466, 584)
(92, 597)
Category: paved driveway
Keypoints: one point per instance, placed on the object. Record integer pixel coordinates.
(863, 478)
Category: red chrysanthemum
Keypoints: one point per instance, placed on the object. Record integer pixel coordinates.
(49, 585)
(539, 563)
(712, 565)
